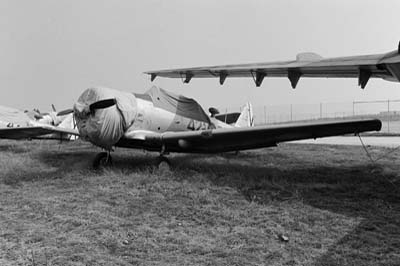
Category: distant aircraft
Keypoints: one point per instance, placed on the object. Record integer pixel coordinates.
(36, 125)
(164, 122)
(11, 117)
(364, 67)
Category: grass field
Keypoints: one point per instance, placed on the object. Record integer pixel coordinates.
(333, 205)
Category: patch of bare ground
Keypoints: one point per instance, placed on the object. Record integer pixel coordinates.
(333, 205)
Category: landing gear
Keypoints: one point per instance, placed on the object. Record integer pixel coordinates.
(163, 163)
(102, 160)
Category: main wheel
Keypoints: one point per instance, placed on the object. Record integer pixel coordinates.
(102, 160)
(163, 163)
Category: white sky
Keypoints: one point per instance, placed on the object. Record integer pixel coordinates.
(50, 51)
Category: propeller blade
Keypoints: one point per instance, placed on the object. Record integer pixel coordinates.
(37, 116)
(102, 104)
(53, 107)
(65, 112)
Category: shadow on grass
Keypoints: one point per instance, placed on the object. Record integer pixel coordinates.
(37, 160)
(12, 148)
(354, 190)
(123, 160)
(361, 191)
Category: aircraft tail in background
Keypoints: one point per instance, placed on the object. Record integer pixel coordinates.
(246, 118)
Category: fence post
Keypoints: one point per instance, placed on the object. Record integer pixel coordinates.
(320, 110)
(291, 113)
(265, 114)
(388, 106)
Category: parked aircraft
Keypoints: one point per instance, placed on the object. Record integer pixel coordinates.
(11, 117)
(364, 67)
(165, 122)
(34, 124)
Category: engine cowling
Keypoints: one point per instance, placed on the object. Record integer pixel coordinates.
(103, 115)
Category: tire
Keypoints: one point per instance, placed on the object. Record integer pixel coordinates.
(163, 163)
(102, 160)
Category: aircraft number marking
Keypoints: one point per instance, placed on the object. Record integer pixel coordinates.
(197, 125)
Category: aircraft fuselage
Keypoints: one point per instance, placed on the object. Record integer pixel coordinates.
(135, 118)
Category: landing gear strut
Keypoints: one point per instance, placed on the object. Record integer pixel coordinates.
(102, 159)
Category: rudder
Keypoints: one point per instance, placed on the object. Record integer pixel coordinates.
(246, 118)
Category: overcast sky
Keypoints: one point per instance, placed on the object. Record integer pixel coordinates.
(50, 51)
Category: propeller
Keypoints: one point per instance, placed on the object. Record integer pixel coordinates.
(92, 107)
(65, 112)
(37, 116)
(102, 104)
(53, 107)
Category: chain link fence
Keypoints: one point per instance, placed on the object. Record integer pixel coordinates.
(388, 111)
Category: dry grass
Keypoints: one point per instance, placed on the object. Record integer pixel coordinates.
(334, 206)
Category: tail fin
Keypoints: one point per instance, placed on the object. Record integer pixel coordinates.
(246, 118)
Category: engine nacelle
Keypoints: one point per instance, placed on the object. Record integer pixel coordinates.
(104, 125)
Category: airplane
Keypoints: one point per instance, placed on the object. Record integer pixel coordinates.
(11, 117)
(37, 125)
(363, 67)
(62, 118)
(164, 122)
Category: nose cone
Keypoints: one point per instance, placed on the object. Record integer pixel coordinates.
(104, 126)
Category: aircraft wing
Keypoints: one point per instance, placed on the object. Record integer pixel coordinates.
(233, 139)
(385, 66)
(36, 132)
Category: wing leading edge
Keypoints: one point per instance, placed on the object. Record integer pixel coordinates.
(364, 67)
(36, 132)
(233, 139)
